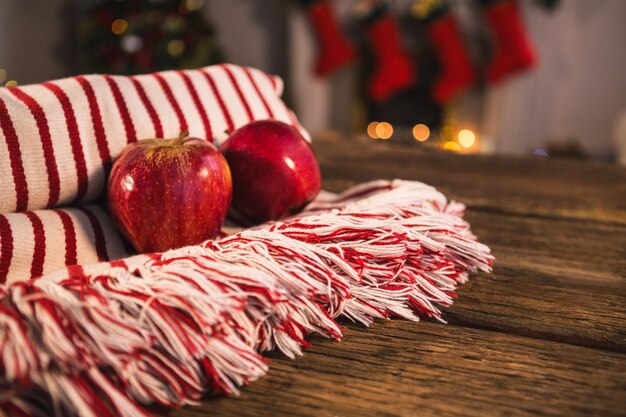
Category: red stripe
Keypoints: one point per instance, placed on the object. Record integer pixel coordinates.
(71, 257)
(156, 122)
(76, 271)
(15, 156)
(131, 134)
(39, 256)
(274, 82)
(229, 120)
(196, 100)
(119, 263)
(96, 120)
(72, 128)
(290, 116)
(6, 248)
(46, 143)
(99, 239)
(258, 91)
(235, 84)
(182, 123)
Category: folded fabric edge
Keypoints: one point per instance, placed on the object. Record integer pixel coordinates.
(167, 328)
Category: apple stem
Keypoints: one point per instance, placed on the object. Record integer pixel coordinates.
(183, 135)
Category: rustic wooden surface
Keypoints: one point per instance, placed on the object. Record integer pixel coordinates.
(545, 334)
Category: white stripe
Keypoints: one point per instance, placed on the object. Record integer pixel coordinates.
(274, 101)
(111, 119)
(183, 97)
(23, 247)
(87, 135)
(115, 248)
(229, 95)
(60, 138)
(85, 239)
(138, 113)
(55, 240)
(272, 97)
(33, 159)
(164, 110)
(210, 105)
(249, 92)
(8, 193)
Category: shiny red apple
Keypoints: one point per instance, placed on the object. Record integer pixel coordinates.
(274, 170)
(168, 193)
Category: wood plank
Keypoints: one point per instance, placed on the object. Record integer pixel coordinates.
(523, 185)
(580, 250)
(555, 279)
(399, 368)
(545, 306)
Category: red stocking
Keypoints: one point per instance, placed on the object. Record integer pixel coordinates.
(334, 49)
(456, 70)
(394, 69)
(513, 50)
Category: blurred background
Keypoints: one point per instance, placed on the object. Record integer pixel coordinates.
(527, 77)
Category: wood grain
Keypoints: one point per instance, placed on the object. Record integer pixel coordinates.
(544, 334)
(581, 250)
(539, 186)
(398, 368)
(556, 279)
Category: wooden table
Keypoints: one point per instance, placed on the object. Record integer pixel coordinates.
(545, 334)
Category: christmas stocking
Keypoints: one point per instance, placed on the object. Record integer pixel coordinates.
(335, 50)
(456, 71)
(513, 50)
(394, 70)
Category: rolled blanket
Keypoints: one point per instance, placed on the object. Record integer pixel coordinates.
(166, 328)
(86, 339)
(34, 243)
(58, 138)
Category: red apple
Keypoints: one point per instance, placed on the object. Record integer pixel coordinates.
(274, 170)
(168, 193)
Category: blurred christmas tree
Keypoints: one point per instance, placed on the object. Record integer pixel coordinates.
(138, 36)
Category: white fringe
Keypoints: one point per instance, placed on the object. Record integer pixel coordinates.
(167, 328)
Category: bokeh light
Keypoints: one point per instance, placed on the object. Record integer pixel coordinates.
(452, 146)
(3, 75)
(131, 43)
(371, 130)
(421, 132)
(175, 47)
(466, 138)
(540, 152)
(11, 83)
(119, 26)
(384, 130)
(187, 6)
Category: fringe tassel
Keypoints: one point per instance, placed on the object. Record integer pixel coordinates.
(168, 328)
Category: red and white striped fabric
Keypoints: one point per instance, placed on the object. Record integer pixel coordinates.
(105, 340)
(58, 138)
(34, 243)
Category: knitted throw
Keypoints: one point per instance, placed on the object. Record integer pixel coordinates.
(106, 339)
(58, 138)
